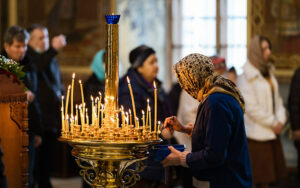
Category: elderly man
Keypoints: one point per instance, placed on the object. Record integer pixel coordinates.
(49, 95)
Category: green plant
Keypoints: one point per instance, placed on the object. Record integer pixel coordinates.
(13, 67)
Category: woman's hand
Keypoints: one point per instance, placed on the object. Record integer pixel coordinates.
(278, 128)
(171, 124)
(175, 158)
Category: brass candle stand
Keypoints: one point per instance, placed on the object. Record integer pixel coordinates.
(105, 147)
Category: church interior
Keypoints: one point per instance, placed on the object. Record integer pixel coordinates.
(171, 29)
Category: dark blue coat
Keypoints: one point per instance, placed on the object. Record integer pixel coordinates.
(142, 90)
(219, 145)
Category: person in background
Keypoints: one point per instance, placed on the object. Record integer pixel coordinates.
(142, 74)
(96, 82)
(294, 109)
(232, 75)
(219, 64)
(219, 156)
(265, 114)
(50, 90)
(15, 47)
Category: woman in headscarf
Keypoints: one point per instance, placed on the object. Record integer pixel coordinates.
(265, 114)
(142, 73)
(219, 154)
(96, 82)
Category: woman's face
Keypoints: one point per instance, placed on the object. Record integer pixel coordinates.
(149, 69)
(266, 51)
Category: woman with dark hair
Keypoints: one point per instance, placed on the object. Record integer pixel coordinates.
(265, 114)
(219, 156)
(142, 74)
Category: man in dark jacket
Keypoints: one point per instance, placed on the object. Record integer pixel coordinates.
(15, 46)
(49, 96)
(142, 74)
(294, 108)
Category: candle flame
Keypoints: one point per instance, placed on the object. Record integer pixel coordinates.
(128, 80)
(69, 87)
(154, 84)
(148, 100)
(92, 98)
(73, 76)
(129, 111)
(79, 82)
(62, 97)
(76, 106)
(143, 112)
(100, 93)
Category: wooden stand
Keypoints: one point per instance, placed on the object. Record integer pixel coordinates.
(13, 131)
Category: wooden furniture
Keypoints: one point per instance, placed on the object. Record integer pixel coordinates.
(13, 131)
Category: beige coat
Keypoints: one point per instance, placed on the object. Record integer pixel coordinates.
(259, 117)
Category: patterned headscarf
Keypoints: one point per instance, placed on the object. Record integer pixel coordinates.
(195, 74)
(255, 56)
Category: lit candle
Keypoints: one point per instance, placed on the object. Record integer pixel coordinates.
(93, 118)
(72, 91)
(158, 127)
(127, 121)
(62, 112)
(99, 103)
(72, 123)
(81, 117)
(67, 101)
(147, 120)
(130, 117)
(132, 99)
(150, 119)
(87, 117)
(62, 119)
(82, 96)
(76, 114)
(123, 115)
(76, 119)
(155, 106)
(67, 124)
(102, 109)
(100, 96)
(138, 123)
(143, 118)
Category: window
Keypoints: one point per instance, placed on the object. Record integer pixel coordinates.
(200, 26)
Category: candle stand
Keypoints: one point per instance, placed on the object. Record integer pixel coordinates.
(104, 147)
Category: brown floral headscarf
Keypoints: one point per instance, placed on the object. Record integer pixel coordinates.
(195, 74)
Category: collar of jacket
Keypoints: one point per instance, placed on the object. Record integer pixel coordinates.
(250, 71)
(133, 74)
